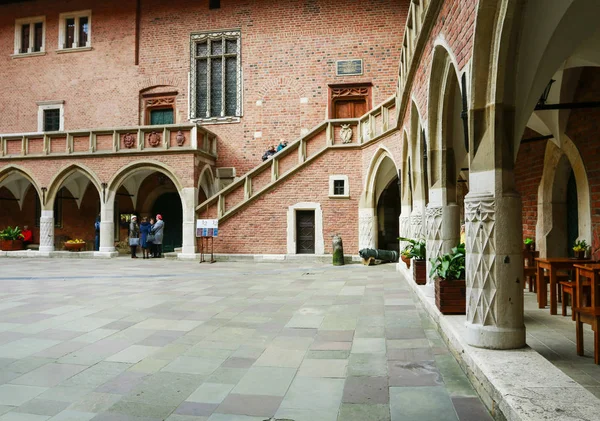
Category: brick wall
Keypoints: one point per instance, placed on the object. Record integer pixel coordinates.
(261, 227)
(528, 174)
(289, 50)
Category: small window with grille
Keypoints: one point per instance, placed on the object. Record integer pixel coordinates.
(215, 76)
(50, 116)
(52, 120)
(338, 186)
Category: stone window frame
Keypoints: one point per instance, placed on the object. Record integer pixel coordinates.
(291, 226)
(51, 105)
(198, 37)
(31, 21)
(62, 31)
(332, 180)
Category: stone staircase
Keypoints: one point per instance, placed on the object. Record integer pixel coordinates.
(327, 137)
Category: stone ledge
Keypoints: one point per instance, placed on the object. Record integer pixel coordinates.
(59, 254)
(265, 258)
(515, 385)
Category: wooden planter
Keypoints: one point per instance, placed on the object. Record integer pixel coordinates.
(11, 245)
(420, 272)
(451, 296)
(579, 254)
(74, 246)
(405, 260)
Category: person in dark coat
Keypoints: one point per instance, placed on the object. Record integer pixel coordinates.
(134, 234)
(97, 231)
(145, 228)
(158, 230)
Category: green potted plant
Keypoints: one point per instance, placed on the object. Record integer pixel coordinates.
(405, 256)
(528, 243)
(450, 288)
(579, 249)
(416, 250)
(11, 239)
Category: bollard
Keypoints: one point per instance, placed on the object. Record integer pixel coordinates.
(338, 250)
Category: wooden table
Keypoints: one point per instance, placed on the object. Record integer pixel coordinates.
(553, 265)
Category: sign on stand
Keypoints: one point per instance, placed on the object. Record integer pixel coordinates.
(207, 229)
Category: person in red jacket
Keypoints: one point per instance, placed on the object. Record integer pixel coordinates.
(27, 235)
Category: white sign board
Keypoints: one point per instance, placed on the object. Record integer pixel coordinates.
(207, 227)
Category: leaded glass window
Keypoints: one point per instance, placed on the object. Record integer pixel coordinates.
(215, 76)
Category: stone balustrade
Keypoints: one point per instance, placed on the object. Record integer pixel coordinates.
(120, 140)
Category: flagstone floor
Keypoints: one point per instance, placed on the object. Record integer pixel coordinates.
(165, 340)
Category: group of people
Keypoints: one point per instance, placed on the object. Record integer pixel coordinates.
(274, 149)
(148, 235)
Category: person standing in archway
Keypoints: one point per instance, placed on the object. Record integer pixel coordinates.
(97, 232)
(157, 230)
(134, 236)
(145, 228)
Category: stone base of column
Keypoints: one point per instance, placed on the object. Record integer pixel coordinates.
(107, 250)
(106, 254)
(189, 256)
(492, 337)
(429, 290)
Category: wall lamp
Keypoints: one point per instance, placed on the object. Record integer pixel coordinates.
(104, 186)
(44, 190)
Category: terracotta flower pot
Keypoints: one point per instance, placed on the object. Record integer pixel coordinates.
(451, 296)
(74, 246)
(405, 260)
(11, 245)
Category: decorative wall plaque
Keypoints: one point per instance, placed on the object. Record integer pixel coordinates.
(129, 141)
(180, 138)
(349, 67)
(154, 139)
(346, 133)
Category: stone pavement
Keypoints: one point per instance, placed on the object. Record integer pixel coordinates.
(164, 340)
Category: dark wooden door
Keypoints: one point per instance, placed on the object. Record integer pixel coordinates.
(350, 108)
(305, 232)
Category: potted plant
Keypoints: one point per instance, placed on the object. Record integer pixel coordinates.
(11, 239)
(75, 245)
(416, 250)
(405, 256)
(450, 287)
(579, 249)
(529, 244)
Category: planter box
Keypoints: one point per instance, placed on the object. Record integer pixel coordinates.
(420, 272)
(451, 296)
(11, 245)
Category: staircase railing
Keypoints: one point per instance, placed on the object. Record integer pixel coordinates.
(330, 134)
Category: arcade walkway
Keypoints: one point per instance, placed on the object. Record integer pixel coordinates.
(163, 340)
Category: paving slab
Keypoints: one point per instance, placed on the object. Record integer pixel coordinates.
(232, 342)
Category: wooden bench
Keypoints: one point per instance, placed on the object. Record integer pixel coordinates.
(591, 316)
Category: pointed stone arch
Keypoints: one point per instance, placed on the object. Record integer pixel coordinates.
(77, 185)
(11, 177)
(206, 181)
(382, 161)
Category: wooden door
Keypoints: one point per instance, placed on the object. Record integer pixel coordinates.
(350, 108)
(305, 232)
(161, 116)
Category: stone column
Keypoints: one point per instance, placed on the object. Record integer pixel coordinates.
(442, 230)
(366, 228)
(189, 198)
(107, 226)
(47, 231)
(494, 270)
(416, 224)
